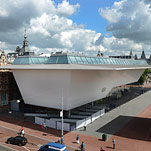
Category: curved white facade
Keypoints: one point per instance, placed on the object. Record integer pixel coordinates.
(78, 84)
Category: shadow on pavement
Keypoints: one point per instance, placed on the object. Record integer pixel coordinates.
(113, 126)
(109, 147)
(136, 128)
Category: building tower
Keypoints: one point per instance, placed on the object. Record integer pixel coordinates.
(131, 53)
(135, 57)
(20, 51)
(25, 50)
(3, 59)
(143, 56)
(25, 43)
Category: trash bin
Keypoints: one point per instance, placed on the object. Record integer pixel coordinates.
(104, 137)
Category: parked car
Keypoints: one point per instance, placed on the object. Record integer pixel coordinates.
(18, 140)
(53, 147)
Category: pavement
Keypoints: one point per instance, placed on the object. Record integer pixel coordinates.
(114, 123)
(114, 120)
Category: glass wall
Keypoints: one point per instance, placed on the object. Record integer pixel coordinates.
(30, 60)
(69, 59)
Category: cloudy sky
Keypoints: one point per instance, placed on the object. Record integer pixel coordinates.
(112, 26)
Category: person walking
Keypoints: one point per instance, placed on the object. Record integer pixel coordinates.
(77, 139)
(44, 125)
(113, 143)
(22, 132)
(82, 146)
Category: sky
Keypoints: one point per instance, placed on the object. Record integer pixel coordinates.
(114, 27)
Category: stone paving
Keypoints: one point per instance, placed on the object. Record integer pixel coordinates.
(114, 123)
(114, 120)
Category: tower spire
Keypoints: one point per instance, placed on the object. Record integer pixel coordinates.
(25, 35)
(25, 43)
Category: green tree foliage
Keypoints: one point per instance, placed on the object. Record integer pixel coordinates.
(144, 75)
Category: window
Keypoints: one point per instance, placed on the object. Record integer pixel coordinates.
(98, 60)
(109, 61)
(17, 61)
(53, 60)
(73, 60)
(94, 60)
(113, 61)
(105, 60)
(84, 60)
(89, 60)
(69, 60)
(62, 60)
(24, 61)
(46, 146)
(3, 99)
(79, 61)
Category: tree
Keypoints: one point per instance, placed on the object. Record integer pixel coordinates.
(143, 76)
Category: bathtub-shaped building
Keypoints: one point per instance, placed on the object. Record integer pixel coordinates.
(43, 81)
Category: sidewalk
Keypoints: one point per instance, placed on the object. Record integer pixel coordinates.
(51, 134)
(110, 123)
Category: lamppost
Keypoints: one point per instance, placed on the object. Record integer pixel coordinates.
(62, 120)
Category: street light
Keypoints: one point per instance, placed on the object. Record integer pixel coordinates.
(10, 112)
(16, 101)
(61, 115)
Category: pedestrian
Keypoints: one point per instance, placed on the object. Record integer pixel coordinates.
(77, 139)
(44, 125)
(82, 146)
(84, 128)
(22, 133)
(113, 143)
(62, 140)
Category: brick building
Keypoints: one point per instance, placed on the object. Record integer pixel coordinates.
(9, 91)
(8, 87)
(3, 59)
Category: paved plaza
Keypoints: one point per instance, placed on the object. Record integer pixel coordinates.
(114, 120)
(129, 124)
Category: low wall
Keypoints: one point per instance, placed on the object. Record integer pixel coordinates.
(67, 126)
(90, 119)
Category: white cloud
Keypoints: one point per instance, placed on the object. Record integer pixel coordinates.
(50, 29)
(3, 12)
(65, 9)
(39, 25)
(80, 39)
(3, 45)
(130, 19)
(35, 49)
(112, 14)
(43, 19)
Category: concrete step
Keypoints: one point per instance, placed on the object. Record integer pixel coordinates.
(35, 114)
(83, 113)
(92, 110)
(65, 120)
(78, 116)
(97, 107)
